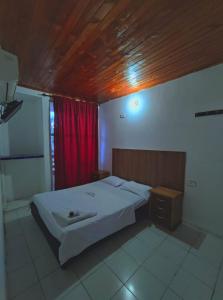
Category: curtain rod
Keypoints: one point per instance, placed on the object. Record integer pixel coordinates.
(68, 97)
(45, 93)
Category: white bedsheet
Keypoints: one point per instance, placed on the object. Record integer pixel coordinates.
(115, 210)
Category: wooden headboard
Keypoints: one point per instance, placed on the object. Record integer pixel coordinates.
(166, 168)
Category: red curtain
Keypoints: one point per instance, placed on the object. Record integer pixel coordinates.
(75, 142)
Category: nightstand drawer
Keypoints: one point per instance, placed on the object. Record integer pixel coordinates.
(161, 220)
(161, 201)
(159, 211)
(166, 207)
(160, 204)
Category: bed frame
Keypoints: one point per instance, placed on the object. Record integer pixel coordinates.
(141, 213)
(146, 166)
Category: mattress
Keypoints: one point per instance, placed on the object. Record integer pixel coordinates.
(115, 210)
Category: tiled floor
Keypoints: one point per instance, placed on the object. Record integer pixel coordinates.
(140, 262)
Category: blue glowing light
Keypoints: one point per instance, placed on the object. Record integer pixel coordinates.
(103, 141)
(102, 147)
(134, 104)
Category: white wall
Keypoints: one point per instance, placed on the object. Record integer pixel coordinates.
(2, 250)
(27, 133)
(25, 129)
(3, 151)
(4, 139)
(22, 178)
(164, 120)
(3, 131)
(46, 143)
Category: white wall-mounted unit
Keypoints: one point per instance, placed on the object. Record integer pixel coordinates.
(9, 75)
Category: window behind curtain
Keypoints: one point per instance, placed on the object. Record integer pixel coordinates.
(75, 142)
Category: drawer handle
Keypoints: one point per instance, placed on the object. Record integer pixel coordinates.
(161, 218)
(161, 200)
(160, 208)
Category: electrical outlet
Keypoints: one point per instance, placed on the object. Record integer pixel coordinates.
(192, 183)
(122, 116)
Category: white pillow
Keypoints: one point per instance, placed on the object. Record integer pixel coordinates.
(114, 180)
(137, 188)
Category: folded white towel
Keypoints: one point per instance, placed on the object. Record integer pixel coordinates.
(63, 219)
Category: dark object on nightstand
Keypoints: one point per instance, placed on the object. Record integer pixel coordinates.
(166, 207)
(100, 174)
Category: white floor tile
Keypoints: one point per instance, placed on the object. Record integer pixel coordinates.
(45, 265)
(105, 248)
(10, 216)
(150, 238)
(76, 292)
(158, 231)
(172, 251)
(85, 264)
(201, 269)
(13, 229)
(219, 286)
(220, 276)
(102, 284)
(161, 267)
(124, 294)
(218, 295)
(34, 293)
(145, 286)
(120, 237)
(20, 280)
(38, 245)
(170, 295)
(178, 242)
(17, 243)
(122, 265)
(24, 212)
(57, 282)
(189, 287)
(103, 269)
(17, 258)
(30, 226)
(211, 250)
(138, 250)
(31, 234)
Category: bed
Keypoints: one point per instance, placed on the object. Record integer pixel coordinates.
(114, 206)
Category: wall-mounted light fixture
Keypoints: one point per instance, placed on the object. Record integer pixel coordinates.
(134, 105)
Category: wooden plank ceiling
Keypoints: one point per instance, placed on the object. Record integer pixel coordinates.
(102, 49)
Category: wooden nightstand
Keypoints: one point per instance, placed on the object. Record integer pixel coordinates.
(166, 207)
(100, 174)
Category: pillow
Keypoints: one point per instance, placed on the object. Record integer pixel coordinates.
(137, 188)
(114, 180)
